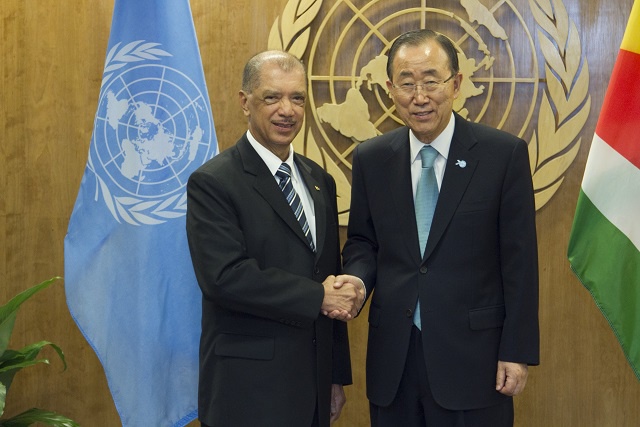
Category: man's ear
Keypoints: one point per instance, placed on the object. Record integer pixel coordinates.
(457, 85)
(244, 101)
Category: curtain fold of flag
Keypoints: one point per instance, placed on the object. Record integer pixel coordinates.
(129, 281)
(604, 246)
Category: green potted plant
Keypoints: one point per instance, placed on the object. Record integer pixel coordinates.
(11, 361)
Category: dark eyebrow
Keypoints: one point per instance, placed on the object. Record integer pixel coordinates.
(273, 92)
(431, 72)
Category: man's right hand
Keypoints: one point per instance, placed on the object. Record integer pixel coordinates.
(343, 297)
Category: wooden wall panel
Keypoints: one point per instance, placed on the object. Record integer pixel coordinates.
(52, 55)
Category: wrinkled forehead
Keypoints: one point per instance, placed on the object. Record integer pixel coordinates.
(275, 79)
(425, 59)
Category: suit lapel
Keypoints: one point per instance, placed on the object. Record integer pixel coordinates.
(455, 181)
(398, 180)
(265, 184)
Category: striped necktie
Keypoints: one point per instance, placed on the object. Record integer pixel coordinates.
(284, 174)
(425, 205)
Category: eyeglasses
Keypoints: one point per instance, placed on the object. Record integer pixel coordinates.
(409, 90)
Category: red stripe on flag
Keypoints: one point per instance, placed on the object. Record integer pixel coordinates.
(619, 122)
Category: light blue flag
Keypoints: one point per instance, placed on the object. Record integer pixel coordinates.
(130, 284)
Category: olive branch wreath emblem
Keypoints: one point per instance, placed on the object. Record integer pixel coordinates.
(133, 210)
(553, 147)
(563, 111)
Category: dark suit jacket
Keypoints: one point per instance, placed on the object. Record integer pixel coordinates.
(266, 355)
(478, 279)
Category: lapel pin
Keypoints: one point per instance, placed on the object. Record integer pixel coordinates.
(317, 188)
(461, 163)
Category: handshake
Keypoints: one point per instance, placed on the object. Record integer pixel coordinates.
(343, 297)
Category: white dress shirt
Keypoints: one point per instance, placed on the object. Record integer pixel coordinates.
(273, 162)
(442, 144)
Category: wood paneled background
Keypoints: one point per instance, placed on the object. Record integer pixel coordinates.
(51, 59)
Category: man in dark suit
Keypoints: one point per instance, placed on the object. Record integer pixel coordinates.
(453, 321)
(267, 355)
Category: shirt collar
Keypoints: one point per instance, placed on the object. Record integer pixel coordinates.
(272, 161)
(442, 143)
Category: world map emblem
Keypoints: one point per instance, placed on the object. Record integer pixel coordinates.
(152, 128)
(522, 64)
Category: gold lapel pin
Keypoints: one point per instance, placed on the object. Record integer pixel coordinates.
(317, 188)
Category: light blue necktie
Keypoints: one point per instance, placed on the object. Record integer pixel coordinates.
(425, 203)
(284, 174)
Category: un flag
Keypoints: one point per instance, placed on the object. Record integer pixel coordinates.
(130, 285)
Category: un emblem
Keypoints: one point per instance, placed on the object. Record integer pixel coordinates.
(152, 129)
(536, 90)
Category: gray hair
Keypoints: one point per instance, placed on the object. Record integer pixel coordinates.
(251, 74)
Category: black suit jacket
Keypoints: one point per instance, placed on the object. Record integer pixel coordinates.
(478, 279)
(267, 357)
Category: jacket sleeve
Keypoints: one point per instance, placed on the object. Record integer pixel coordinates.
(361, 248)
(519, 262)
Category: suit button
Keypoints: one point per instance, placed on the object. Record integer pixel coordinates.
(423, 270)
(314, 341)
(409, 313)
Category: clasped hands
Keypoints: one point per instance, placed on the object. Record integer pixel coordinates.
(343, 297)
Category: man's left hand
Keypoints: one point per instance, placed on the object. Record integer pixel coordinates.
(338, 399)
(511, 377)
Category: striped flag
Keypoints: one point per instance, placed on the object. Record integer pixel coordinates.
(604, 247)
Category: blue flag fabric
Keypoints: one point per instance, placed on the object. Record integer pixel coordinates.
(130, 285)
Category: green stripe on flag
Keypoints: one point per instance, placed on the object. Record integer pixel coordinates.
(608, 265)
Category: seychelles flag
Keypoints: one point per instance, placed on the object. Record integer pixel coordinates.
(129, 280)
(604, 247)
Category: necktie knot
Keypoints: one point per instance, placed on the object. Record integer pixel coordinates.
(428, 155)
(284, 171)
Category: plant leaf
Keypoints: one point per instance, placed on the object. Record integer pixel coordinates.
(6, 327)
(7, 376)
(3, 397)
(13, 361)
(35, 415)
(8, 311)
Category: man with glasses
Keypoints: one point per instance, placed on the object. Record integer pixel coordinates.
(442, 232)
(262, 224)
